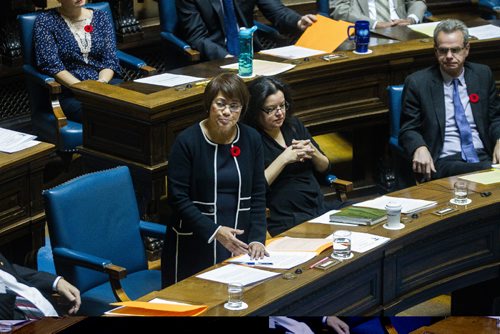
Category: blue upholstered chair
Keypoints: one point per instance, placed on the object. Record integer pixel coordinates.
(489, 9)
(169, 29)
(97, 238)
(48, 119)
(401, 163)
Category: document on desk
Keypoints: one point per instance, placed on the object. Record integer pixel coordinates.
(14, 141)
(485, 32)
(424, 28)
(363, 242)
(289, 244)
(264, 67)
(325, 34)
(324, 218)
(292, 52)
(169, 79)
(235, 273)
(490, 177)
(275, 260)
(155, 308)
(409, 205)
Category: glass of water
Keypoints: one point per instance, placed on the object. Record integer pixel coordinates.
(341, 244)
(460, 192)
(235, 295)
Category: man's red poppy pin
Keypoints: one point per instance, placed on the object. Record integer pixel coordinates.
(474, 98)
(235, 151)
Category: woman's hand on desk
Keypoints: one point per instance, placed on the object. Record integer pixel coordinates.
(227, 237)
(257, 251)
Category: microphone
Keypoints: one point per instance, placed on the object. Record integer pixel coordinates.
(330, 178)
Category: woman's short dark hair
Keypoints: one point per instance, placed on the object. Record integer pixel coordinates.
(228, 84)
(260, 89)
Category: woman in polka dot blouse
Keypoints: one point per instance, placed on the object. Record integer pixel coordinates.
(72, 44)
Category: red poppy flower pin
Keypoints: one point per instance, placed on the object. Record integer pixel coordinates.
(88, 28)
(235, 151)
(474, 98)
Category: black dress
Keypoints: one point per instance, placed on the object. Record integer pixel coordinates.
(295, 195)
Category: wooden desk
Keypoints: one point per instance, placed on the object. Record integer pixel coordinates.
(461, 325)
(136, 124)
(48, 325)
(22, 219)
(430, 256)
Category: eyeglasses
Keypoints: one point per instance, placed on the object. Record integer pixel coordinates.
(444, 51)
(233, 107)
(272, 109)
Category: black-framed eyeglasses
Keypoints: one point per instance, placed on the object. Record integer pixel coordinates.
(444, 51)
(233, 107)
(272, 109)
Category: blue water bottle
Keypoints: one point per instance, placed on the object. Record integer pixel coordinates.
(245, 58)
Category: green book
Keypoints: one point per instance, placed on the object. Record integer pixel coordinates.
(359, 216)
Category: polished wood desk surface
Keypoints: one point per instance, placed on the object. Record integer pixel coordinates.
(11, 160)
(461, 325)
(426, 227)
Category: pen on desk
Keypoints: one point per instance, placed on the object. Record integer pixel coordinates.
(255, 263)
(316, 263)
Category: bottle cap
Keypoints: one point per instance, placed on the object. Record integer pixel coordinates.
(244, 32)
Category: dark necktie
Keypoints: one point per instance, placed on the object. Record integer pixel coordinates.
(468, 151)
(231, 28)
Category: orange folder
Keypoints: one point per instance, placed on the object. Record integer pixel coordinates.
(325, 34)
(146, 309)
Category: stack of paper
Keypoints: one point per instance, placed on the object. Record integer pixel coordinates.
(169, 79)
(13, 141)
(235, 273)
(424, 28)
(264, 67)
(359, 215)
(409, 205)
(362, 242)
(490, 177)
(156, 308)
(289, 244)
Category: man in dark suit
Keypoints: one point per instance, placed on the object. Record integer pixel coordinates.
(29, 282)
(450, 121)
(202, 22)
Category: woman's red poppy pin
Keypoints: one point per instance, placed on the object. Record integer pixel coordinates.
(474, 98)
(235, 151)
(88, 28)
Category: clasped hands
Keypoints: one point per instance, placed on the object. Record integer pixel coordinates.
(299, 151)
(227, 237)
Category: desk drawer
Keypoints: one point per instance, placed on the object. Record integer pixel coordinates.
(14, 200)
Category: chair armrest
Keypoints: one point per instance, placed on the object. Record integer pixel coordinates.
(152, 229)
(342, 187)
(133, 62)
(115, 273)
(267, 29)
(42, 79)
(193, 55)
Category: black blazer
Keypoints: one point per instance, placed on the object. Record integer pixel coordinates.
(40, 280)
(202, 22)
(423, 113)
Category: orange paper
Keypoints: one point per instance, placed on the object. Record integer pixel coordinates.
(147, 309)
(325, 34)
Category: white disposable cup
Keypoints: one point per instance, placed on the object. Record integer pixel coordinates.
(341, 244)
(235, 295)
(393, 214)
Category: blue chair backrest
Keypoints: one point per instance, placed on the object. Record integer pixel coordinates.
(395, 97)
(323, 7)
(97, 214)
(168, 14)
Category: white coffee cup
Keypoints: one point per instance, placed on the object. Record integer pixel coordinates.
(393, 215)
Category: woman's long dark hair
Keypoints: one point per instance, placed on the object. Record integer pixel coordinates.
(259, 90)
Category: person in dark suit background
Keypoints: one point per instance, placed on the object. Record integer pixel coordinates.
(203, 27)
(439, 143)
(44, 282)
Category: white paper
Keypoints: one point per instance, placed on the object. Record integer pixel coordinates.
(264, 67)
(14, 141)
(235, 273)
(485, 32)
(424, 28)
(324, 218)
(276, 260)
(363, 242)
(290, 244)
(169, 79)
(497, 166)
(292, 52)
(408, 205)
